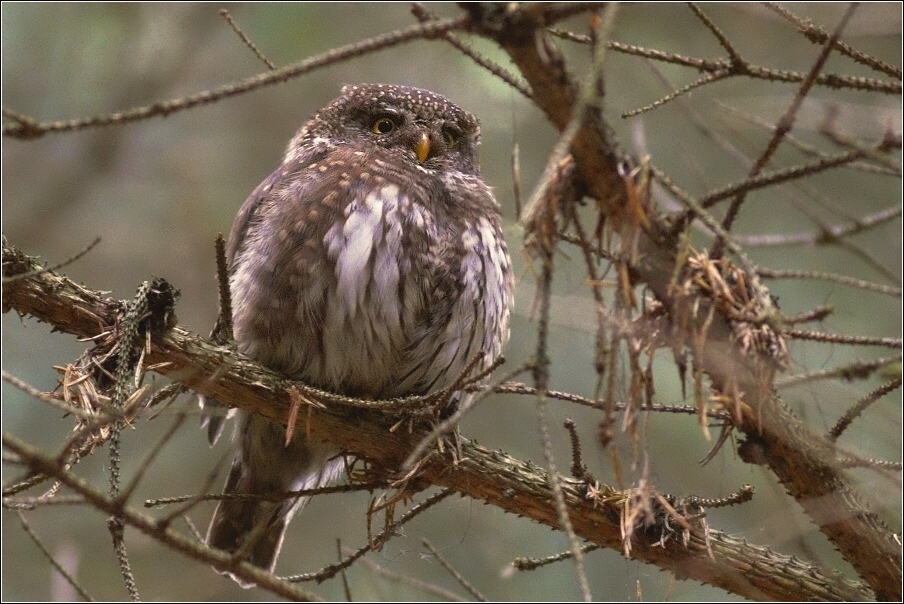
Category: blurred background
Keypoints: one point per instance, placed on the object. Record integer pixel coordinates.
(158, 192)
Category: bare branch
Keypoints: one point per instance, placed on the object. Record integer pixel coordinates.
(491, 476)
(26, 127)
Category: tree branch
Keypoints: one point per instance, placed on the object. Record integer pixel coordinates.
(513, 485)
(803, 461)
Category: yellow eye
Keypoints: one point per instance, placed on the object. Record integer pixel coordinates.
(450, 138)
(383, 125)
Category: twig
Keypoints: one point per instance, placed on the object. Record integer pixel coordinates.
(388, 532)
(131, 320)
(856, 370)
(783, 126)
(429, 588)
(223, 330)
(60, 569)
(519, 388)
(742, 495)
(710, 221)
(534, 563)
(455, 574)
(49, 399)
(733, 55)
(818, 35)
(761, 181)
(832, 235)
(31, 503)
(276, 496)
(423, 14)
(225, 14)
(145, 464)
(771, 273)
(37, 461)
(586, 96)
(346, 589)
(851, 414)
(806, 148)
(816, 314)
(64, 263)
(876, 464)
(26, 127)
(819, 336)
(541, 376)
(703, 80)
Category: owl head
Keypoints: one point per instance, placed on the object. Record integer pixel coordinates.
(411, 124)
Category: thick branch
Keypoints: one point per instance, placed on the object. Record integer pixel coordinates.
(510, 484)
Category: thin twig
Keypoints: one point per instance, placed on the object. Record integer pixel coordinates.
(346, 589)
(275, 496)
(703, 80)
(851, 414)
(133, 315)
(546, 440)
(761, 181)
(541, 377)
(449, 424)
(742, 495)
(813, 315)
(64, 263)
(818, 35)
(519, 388)
(876, 464)
(49, 399)
(424, 15)
(745, 69)
(534, 563)
(710, 221)
(733, 55)
(26, 127)
(37, 461)
(31, 503)
(803, 147)
(223, 330)
(834, 338)
(771, 273)
(387, 533)
(60, 569)
(145, 464)
(783, 126)
(856, 370)
(429, 588)
(455, 574)
(225, 14)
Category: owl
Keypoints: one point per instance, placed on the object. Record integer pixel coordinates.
(371, 263)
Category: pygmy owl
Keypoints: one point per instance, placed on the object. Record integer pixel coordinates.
(371, 263)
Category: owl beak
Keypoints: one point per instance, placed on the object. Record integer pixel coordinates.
(422, 146)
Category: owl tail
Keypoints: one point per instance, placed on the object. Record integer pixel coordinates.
(253, 529)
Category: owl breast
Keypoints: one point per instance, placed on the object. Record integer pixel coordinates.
(381, 284)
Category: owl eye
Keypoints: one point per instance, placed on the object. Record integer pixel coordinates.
(383, 125)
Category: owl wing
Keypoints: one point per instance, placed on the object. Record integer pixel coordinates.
(249, 211)
(214, 413)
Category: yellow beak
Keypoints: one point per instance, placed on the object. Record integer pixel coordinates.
(422, 147)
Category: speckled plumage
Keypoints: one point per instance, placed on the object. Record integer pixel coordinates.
(369, 263)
